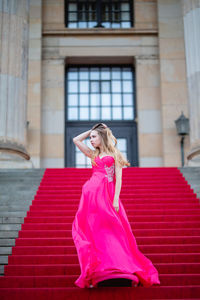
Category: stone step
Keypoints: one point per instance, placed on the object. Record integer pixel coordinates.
(1, 270)
(16, 198)
(19, 175)
(6, 202)
(13, 220)
(7, 242)
(20, 179)
(17, 195)
(9, 234)
(18, 188)
(22, 171)
(8, 227)
(21, 183)
(12, 213)
(5, 250)
(3, 259)
(192, 175)
(10, 208)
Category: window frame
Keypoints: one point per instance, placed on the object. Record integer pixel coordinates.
(133, 93)
(99, 17)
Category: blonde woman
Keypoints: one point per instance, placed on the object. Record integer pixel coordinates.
(106, 247)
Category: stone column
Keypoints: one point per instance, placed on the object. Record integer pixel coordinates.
(173, 78)
(14, 28)
(191, 17)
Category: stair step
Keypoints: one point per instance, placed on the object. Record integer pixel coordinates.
(133, 192)
(131, 187)
(62, 293)
(5, 250)
(130, 212)
(61, 269)
(13, 220)
(169, 248)
(7, 242)
(134, 225)
(8, 234)
(137, 232)
(73, 258)
(68, 280)
(8, 227)
(128, 206)
(136, 218)
(12, 213)
(15, 208)
(69, 241)
(131, 201)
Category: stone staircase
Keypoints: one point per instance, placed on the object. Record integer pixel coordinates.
(17, 190)
(192, 175)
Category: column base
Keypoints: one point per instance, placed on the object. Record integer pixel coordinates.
(194, 157)
(194, 162)
(14, 161)
(12, 147)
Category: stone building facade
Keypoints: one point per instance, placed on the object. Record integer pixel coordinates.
(39, 49)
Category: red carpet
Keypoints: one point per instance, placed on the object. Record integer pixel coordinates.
(164, 214)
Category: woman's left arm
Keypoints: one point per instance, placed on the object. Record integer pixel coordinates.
(118, 184)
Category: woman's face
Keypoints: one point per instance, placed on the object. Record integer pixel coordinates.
(95, 139)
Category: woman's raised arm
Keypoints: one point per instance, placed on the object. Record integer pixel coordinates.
(82, 146)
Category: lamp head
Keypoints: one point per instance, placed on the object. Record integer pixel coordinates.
(182, 125)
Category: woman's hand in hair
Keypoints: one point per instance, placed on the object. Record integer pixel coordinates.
(104, 125)
(99, 125)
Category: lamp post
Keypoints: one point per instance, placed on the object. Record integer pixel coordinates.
(182, 126)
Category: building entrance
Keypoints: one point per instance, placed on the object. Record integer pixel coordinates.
(100, 94)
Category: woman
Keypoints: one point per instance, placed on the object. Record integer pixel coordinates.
(105, 244)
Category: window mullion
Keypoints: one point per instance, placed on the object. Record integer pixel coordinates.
(100, 97)
(98, 12)
(111, 98)
(110, 13)
(132, 13)
(78, 93)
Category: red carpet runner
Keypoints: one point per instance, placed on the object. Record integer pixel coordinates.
(164, 214)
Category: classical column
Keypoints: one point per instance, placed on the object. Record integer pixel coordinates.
(191, 17)
(14, 28)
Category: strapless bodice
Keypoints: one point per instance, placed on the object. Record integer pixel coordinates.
(105, 165)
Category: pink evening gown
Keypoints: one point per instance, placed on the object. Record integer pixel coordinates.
(104, 241)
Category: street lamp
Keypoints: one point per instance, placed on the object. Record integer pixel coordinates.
(182, 126)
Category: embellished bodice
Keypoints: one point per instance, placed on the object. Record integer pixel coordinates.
(105, 165)
(110, 172)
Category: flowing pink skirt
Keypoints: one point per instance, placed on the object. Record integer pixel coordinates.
(105, 244)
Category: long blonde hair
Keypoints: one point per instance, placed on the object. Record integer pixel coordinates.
(107, 139)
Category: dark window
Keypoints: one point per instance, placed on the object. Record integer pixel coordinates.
(100, 93)
(100, 13)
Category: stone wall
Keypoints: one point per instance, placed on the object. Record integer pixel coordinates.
(155, 47)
